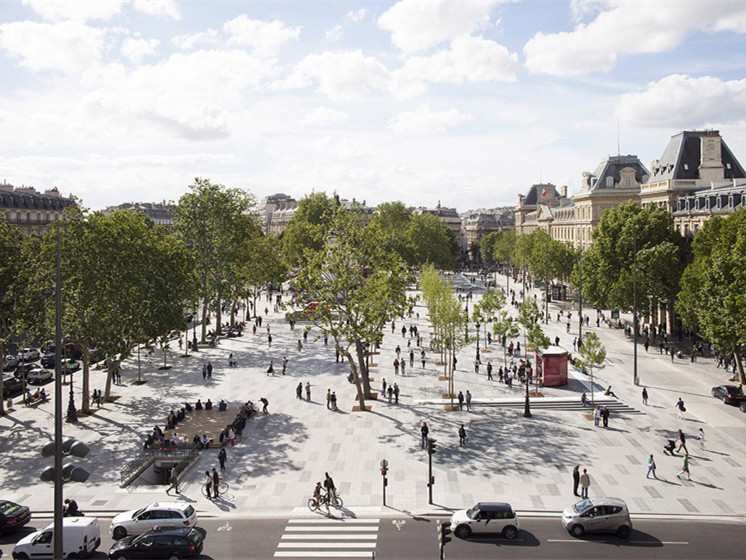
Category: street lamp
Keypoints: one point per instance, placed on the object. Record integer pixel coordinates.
(527, 405)
(636, 379)
(72, 415)
(477, 327)
(580, 303)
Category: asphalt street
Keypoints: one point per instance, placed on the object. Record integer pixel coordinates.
(412, 538)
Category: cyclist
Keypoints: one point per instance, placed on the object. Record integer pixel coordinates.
(208, 484)
(215, 482)
(331, 490)
(318, 494)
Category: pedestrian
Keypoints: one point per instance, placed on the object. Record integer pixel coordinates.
(265, 402)
(468, 400)
(331, 490)
(204, 372)
(575, 480)
(173, 481)
(396, 393)
(208, 485)
(460, 400)
(336, 352)
(334, 400)
(284, 364)
(423, 358)
(305, 336)
(489, 371)
(596, 416)
(403, 365)
(271, 368)
(476, 366)
(681, 408)
(396, 366)
(462, 436)
(308, 391)
(299, 391)
(328, 399)
(411, 358)
(682, 443)
(644, 396)
(215, 483)
(585, 483)
(584, 400)
(685, 468)
(651, 467)
(300, 345)
(232, 436)
(605, 416)
(398, 352)
(222, 456)
(701, 439)
(383, 387)
(269, 340)
(390, 393)
(424, 430)
(209, 370)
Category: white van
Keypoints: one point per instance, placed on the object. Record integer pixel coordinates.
(80, 538)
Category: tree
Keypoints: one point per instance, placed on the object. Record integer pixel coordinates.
(713, 294)
(485, 309)
(10, 263)
(308, 227)
(505, 327)
(487, 246)
(430, 241)
(359, 287)
(592, 354)
(393, 219)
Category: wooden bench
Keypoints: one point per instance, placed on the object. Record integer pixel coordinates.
(33, 401)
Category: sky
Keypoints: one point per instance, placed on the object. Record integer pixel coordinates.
(462, 103)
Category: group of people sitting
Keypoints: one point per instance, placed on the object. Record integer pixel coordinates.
(174, 418)
(206, 406)
(200, 442)
(156, 437)
(39, 394)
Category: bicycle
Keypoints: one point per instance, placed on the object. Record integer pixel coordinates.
(222, 489)
(335, 502)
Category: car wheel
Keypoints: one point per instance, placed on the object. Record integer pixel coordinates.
(463, 531)
(120, 557)
(577, 531)
(623, 532)
(21, 556)
(510, 532)
(119, 533)
(174, 556)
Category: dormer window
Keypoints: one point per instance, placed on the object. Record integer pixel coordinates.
(707, 204)
(727, 165)
(628, 181)
(686, 166)
(609, 181)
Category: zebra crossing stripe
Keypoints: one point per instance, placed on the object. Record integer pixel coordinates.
(336, 529)
(346, 521)
(322, 537)
(324, 554)
(327, 545)
(328, 538)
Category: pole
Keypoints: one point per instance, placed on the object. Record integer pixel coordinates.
(429, 474)
(580, 304)
(527, 405)
(546, 286)
(636, 379)
(57, 542)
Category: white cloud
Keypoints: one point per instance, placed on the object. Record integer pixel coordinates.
(75, 9)
(680, 101)
(417, 25)
(137, 49)
(165, 8)
(67, 46)
(469, 59)
(424, 120)
(189, 41)
(334, 34)
(347, 75)
(628, 28)
(321, 116)
(339, 148)
(355, 16)
(582, 9)
(264, 37)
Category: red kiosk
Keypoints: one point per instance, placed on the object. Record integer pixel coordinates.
(551, 365)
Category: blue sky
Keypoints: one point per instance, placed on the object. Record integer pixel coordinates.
(466, 103)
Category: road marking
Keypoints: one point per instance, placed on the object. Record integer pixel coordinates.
(332, 521)
(630, 542)
(328, 538)
(315, 537)
(326, 545)
(225, 527)
(399, 523)
(323, 554)
(332, 529)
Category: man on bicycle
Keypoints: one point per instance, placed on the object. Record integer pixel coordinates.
(318, 494)
(331, 491)
(208, 484)
(215, 483)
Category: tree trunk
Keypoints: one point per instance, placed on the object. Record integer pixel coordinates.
(219, 317)
(109, 370)
(356, 378)
(85, 404)
(204, 322)
(365, 378)
(739, 364)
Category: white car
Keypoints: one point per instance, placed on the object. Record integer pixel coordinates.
(38, 376)
(10, 362)
(485, 517)
(160, 514)
(28, 354)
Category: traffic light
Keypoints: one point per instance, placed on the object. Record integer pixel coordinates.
(69, 447)
(70, 472)
(431, 447)
(444, 531)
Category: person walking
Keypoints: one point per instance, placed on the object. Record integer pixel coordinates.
(215, 483)
(685, 468)
(585, 483)
(596, 416)
(328, 399)
(468, 400)
(644, 396)
(271, 368)
(334, 400)
(423, 357)
(222, 456)
(204, 372)
(489, 371)
(424, 430)
(651, 467)
(209, 370)
(575, 480)
(308, 391)
(284, 364)
(208, 485)
(411, 358)
(299, 391)
(173, 480)
(396, 392)
(403, 365)
(462, 436)
(681, 408)
(269, 340)
(460, 400)
(300, 345)
(701, 439)
(383, 387)
(476, 366)
(232, 436)
(682, 443)
(396, 366)
(331, 490)
(390, 393)
(605, 416)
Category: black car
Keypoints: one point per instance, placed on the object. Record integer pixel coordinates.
(729, 394)
(11, 384)
(12, 516)
(23, 369)
(160, 543)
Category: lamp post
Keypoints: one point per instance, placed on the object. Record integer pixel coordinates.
(477, 325)
(72, 415)
(580, 303)
(527, 405)
(546, 283)
(636, 379)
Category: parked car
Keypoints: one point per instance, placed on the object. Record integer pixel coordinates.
(11, 384)
(80, 539)
(48, 361)
(28, 354)
(10, 362)
(38, 376)
(485, 517)
(164, 542)
(23, 369)
(607, 515)
(160, 514)
(729, 394)
(12, 516)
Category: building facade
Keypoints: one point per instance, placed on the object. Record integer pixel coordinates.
(30, 210)
(693, 210)
(160, 213)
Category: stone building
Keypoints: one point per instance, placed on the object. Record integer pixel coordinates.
(448, 216)
(276, 211)
(534, 209)
(693, 210)
(32, 211)
(160, 213)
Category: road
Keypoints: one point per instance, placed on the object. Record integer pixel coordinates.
(412, 538)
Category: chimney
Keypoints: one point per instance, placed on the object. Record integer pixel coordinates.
(711, 157)
(563, 191)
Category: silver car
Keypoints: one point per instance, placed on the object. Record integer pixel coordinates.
(608, 515)
(485, 517)
(38, 376)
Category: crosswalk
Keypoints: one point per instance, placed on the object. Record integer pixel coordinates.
(328, 538)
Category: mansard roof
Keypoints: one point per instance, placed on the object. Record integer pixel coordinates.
(28, 200)
(612, 166)
(536, 195)
(682, 157)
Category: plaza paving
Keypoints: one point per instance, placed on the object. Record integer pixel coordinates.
(526, 462)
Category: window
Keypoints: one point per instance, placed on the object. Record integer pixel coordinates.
(628, 181)
(686, 166)
(609, 181)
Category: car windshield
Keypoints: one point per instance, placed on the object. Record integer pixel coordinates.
(473, 512)
(8, 508)
(194, 536)
(582, 506)
(189, 511)
(735, 391)
(138, 512)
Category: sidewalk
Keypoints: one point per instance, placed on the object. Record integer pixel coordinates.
(527, 462)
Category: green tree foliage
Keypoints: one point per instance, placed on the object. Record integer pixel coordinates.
(608, 263)
(308, 228)
(431, 241)
(487, 246)
(359, 287)
(393, 218)
(11, 241)
(592, 354)
(713, 287)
